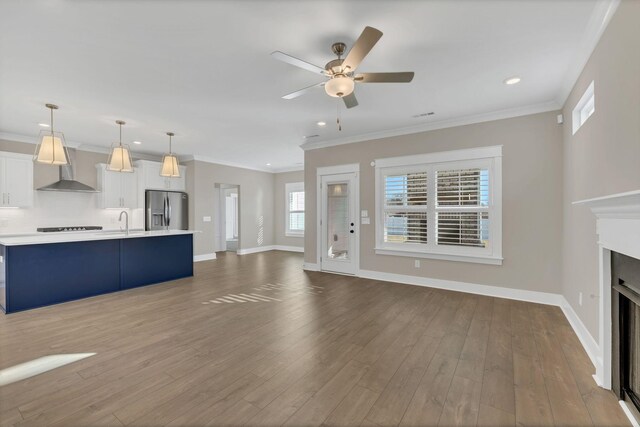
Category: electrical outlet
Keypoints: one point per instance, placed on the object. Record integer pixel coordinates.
(580, 298)
(417, 263)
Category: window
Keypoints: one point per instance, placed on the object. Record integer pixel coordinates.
(584, 108)
(441, 205)
(294, 194)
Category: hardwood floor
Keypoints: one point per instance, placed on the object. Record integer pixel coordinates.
(254, 340)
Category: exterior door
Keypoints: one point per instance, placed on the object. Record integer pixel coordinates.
(339, 225)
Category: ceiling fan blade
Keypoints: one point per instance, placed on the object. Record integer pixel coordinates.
(298, 62)
(350, 100)
(302, 91)
(404, 77)
(361, 48)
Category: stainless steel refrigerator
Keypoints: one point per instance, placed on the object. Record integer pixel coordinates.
(166, 210)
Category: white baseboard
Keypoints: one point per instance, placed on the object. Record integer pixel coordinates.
(472, 288)
(588, 342)
(270, 248)
(309, 266)
(628, 413)
(248, 251)
(288, 248)
(204, 257)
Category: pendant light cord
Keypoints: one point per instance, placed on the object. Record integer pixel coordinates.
(51, 109)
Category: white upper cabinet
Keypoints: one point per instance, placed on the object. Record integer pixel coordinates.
(149, 179)
(16, 180)
(118, 189)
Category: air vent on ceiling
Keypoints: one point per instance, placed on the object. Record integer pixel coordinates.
(310, 136)
(416, 116)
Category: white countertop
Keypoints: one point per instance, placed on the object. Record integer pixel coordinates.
(83, 236)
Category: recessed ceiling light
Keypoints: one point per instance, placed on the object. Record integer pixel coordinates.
(512, 80)
(137, 142)
(321, 123)
(268, 164)
(43, 125)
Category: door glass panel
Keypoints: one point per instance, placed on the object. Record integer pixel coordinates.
(338, 221)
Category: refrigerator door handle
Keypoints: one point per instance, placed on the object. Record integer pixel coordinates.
(164, 211)
(169, 211)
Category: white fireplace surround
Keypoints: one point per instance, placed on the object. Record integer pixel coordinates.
(618, 230)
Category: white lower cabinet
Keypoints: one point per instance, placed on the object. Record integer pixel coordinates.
(118, 189)
(16, 180)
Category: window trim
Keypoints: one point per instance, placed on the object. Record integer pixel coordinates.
(292, 187)
(579, 115)
(489, 157)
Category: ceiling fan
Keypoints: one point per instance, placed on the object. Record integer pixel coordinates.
(341, 72)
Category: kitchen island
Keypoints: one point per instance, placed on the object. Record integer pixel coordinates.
(41, 270)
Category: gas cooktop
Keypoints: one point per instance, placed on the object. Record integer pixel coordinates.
(72, 228)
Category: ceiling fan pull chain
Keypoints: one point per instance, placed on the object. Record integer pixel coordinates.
(338, 117)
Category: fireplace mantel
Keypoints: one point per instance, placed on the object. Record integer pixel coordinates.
(618, 230)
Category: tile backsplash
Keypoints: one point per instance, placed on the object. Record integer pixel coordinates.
(60, 209)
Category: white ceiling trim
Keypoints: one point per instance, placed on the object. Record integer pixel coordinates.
(14, 137)
(443, 124)
(602, 13)
(206, 159)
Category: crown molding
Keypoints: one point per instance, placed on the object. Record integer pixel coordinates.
(598, 21)
(31, 139)
(442, 124)
(296, 168)
(15, 137)
(206, 159)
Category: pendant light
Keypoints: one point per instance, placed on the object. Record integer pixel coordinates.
(120, 157)
(51, 148)
(170, 162)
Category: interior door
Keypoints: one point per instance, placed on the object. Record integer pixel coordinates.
(339, 225)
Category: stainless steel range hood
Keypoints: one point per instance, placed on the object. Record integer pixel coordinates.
(67, 181)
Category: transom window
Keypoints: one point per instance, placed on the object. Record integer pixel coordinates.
(441, 205)
(294, 195)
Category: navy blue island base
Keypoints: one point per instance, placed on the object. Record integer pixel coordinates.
(44, 274)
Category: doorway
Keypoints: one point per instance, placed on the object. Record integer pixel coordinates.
(228, 224)
(339, 225)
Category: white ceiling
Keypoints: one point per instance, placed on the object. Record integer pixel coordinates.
(202, 68)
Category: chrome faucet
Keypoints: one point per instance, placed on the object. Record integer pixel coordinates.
(126, 214)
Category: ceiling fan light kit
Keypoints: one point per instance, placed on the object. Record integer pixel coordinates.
(341, 72)
(340, 85)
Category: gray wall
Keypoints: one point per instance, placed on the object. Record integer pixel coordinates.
(603, 157)
(256, 204)
(532, 200)
(280, 207)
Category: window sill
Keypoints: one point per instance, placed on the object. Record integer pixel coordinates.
(289, 234)
(440, 256)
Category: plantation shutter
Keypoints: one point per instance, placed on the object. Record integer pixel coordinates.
(462, 207)
(405, 207)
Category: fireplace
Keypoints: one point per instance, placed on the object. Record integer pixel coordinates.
(616, 352)
(625, 321)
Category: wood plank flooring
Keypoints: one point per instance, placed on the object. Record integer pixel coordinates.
(254, 340)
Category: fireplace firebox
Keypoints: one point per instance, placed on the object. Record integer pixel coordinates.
(625, 320)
